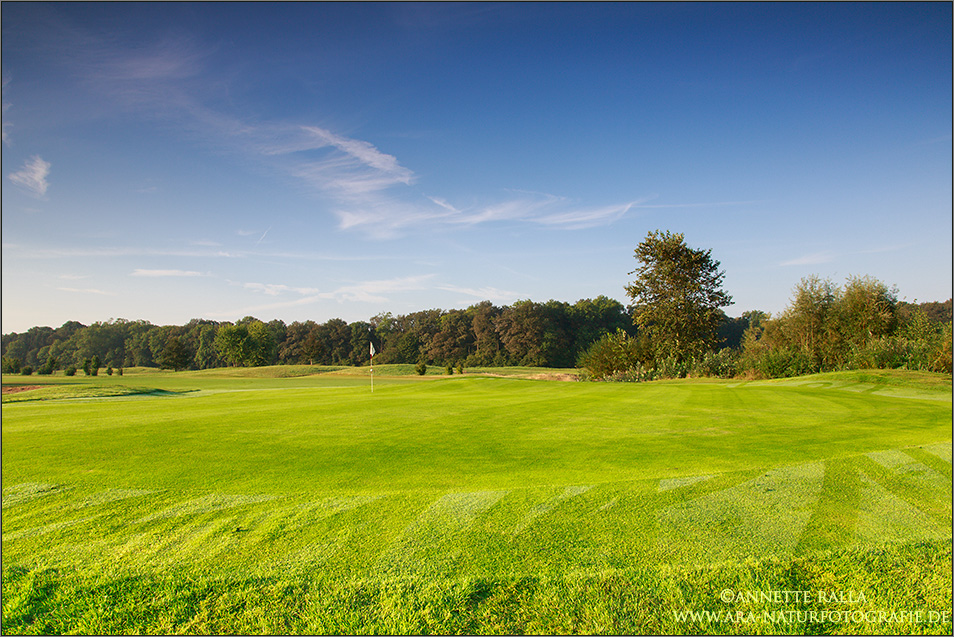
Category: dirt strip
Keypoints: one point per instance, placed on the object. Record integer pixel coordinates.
(13, 389)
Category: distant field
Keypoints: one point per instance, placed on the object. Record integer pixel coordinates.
(295, 500)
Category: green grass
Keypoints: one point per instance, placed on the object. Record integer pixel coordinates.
(237, 501)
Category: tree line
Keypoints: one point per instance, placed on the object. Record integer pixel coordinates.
(812, 335)
(551, 334)
(673, 326)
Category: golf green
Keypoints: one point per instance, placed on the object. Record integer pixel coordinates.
(315, 481)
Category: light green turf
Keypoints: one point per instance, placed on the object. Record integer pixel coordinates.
(226, 502)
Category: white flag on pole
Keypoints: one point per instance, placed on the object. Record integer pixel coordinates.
(372, 349)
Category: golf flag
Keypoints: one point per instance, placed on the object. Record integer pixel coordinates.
(372, 369)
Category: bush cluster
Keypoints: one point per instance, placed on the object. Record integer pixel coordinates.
(826, 328)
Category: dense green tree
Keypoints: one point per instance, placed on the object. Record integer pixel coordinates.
(261, 347)
(313, 350)
(591, 319)
(360, 343)
(205, 354)
(676, 296)
(291, 348)
(521, 330)
(454, 339)
(487, 345)
(335, 336)
(49, 366)
(867, 310)
(174, 356)
(730, 331)
(11, 365)
(231, 344)
(809, 321)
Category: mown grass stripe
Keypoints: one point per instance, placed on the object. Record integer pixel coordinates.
(941, 449)
(930, 460)
(674, 483)
(43, 530)
(926, 495)
(427, 544)
(887, 514)
(760, 518)
(111, 495)
(206, 504)
(833, 521)
(27, 491)
(543, 508)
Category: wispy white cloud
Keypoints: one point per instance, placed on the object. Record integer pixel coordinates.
(273, 289)
(817, 258)
(369, 189)
(33, 176)
(387, 217)
(373, 291)
(175, 57)
(483, 293)
(166, 273)
(443, 204)
(25, 251)
(709, 204)
(363, 152)
(586, 218)
(87, 291)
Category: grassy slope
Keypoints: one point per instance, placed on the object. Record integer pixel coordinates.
(471, 504)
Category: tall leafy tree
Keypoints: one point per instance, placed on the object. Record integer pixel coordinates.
(486, 340)
(867, 309)
(174, 355)
(260, 344)
(521, 329)
(677, 296)
(809, 321)
(205, 355)
(231, 343)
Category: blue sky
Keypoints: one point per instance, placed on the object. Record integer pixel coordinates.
(310, 161)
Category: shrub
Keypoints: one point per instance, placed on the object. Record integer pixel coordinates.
(70, 371)
(888, 352)
(420, 368)
(944, 357)
(450, 369)
(119, 371)
(26, 370)
(781, 362)
(610, 356)
(720, 364)
(11, 365)
(672, 367)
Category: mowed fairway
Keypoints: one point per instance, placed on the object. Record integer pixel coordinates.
(477, 504)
